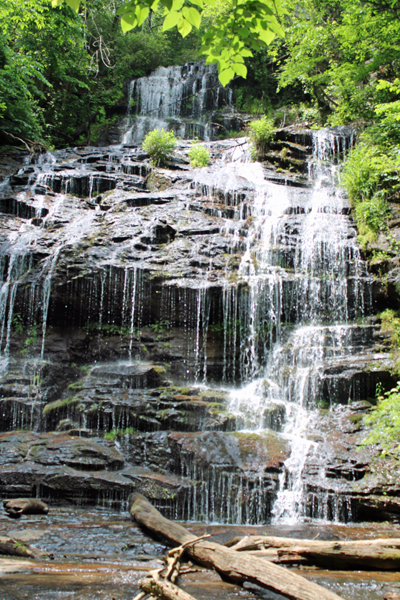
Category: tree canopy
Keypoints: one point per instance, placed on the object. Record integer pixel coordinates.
(231, 37)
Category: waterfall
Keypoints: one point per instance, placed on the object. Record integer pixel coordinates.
(237, 289)
(311, 307)
(181, 99)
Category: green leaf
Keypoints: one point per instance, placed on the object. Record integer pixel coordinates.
(226, 76)
(266, 36)
(128, 21)
(127, 7)
(171, 20)
(184, 27)
(74, 4)
(246, 52)
(55, 3)
(177, 4)
(275, 26)
(199, 3)
(244, 33)
(142, 12)
(192, 15)
(240, 70)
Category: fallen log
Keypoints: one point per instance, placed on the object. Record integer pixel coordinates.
(232, 565)
(380, 554)
(162, 588)
(12, 547)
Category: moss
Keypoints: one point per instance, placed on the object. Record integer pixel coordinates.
(355, 418)
(78, 385)
(57, 404)
(213, 395)
(159, 369)
(157, 182)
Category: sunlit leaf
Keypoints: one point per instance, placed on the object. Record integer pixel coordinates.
(127, 7)
(266, 36)
(142, 12)
(240, 70)
(226, 76)
(276, 27)
(192, 15)
(184, 27)
(177, 4)
(74, 4)
(171, 20)
(128, 21)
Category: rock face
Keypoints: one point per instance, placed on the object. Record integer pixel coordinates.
(176, 331)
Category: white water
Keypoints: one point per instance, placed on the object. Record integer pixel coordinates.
(285, 376)
(175, 98)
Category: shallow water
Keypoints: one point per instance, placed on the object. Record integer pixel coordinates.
(102, 555)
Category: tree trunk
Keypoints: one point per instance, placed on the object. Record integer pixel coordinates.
(235, 566)
(382, 554)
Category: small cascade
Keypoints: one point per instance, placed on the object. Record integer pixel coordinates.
(180, 99)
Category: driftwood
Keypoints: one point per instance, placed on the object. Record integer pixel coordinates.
(12, 547)
(160, 583)
(382, 554)
(232, 565)
(162, 588)
(25, 506)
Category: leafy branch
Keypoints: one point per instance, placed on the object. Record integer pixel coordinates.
(231, 38)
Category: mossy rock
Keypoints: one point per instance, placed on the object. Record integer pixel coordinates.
(58, 404)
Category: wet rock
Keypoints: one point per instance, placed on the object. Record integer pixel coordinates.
(246, 452)
(25, 506)
(77, 470)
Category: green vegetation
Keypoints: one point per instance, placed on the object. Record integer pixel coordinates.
(384, 421)
(109, 329)
(31, 339)
(57, 404)
(231, 30)
(62, 73)
(18, 324)
(160, 146)
(118, 433)
(371, 176)
(260, 133)
(160, 326)
(199, 155)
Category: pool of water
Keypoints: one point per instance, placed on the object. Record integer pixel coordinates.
(102, 555)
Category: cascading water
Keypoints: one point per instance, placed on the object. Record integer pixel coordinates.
(310, 306)
(140, 312)
(177, 98)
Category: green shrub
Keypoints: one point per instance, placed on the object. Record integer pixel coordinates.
(260, 133)
(385, 423)
(159, 145)
(371, 176)
(199, 156)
